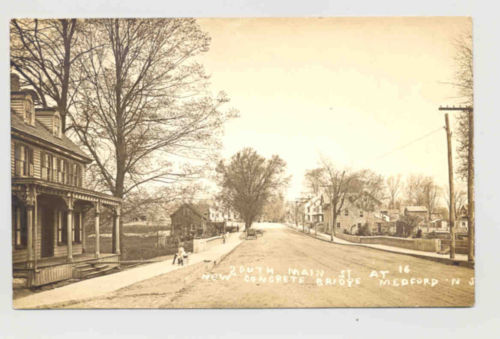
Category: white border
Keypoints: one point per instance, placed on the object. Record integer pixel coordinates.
(478, 322)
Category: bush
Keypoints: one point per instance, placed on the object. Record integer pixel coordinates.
(364, 230)
(419, 234)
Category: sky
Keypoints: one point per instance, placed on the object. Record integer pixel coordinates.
(353, 90)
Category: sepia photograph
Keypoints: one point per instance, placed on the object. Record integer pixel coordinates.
(229, 163)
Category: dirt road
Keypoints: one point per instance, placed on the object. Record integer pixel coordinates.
(284, 268)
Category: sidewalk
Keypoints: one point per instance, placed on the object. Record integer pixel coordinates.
(460, 259)
(99, 286)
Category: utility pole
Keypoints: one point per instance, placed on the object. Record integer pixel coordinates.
(452, 193)
(470, 176)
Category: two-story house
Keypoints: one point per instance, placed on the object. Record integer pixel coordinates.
(49, 198)
(313, 210)
(357, 211)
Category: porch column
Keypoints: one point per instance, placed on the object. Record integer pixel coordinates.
(69, 230)
(97, 233)
(82, 231)
(29, 199)
(29, 245)
(117, 230)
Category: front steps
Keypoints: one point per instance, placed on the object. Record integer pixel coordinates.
(92, 269)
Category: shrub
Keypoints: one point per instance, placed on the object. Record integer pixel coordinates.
(419, 234)
(364, 230)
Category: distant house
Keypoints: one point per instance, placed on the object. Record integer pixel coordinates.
(437, 225)
(216, 212)
(417, 211)
(462, 220)
(314, 210)
(356, 212)
(189, 222)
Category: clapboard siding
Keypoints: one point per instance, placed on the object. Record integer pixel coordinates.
(17, 105)
(45, 120)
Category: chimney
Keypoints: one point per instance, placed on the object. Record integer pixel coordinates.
(14, 82)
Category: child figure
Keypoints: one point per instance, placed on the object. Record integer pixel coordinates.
(181, 254)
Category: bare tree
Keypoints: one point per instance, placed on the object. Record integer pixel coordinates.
(313, 180)
(338, 184)
(464, 81)
(460, 200)
(393, 185)
(422, 191)
(249, 181)
(142, 106)
(430, 192)
(414, 190)
(44, 52)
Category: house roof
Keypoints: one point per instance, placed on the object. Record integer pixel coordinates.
(39, 131)
(416, 208)
(193, 208)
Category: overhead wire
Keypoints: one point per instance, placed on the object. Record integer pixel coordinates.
(409, 143)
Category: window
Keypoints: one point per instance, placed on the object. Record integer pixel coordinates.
(338, 225)
(54, 169)
(19, 159)
(78, 233)
(65, 177)
(79, 177)
(20, 227)
(346, 212)
(23, 160)
(45, 166)
(60, 165)
(62, 227)
(74, 174)
(361, 214)
(73, 228)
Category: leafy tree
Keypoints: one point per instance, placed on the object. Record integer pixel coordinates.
(249, 181)
(275, 210)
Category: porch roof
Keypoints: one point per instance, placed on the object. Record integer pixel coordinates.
(63, 190)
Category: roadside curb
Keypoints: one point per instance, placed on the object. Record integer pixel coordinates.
(224, 256)
(445, 261)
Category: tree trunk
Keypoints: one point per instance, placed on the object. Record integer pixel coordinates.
(334, 221)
